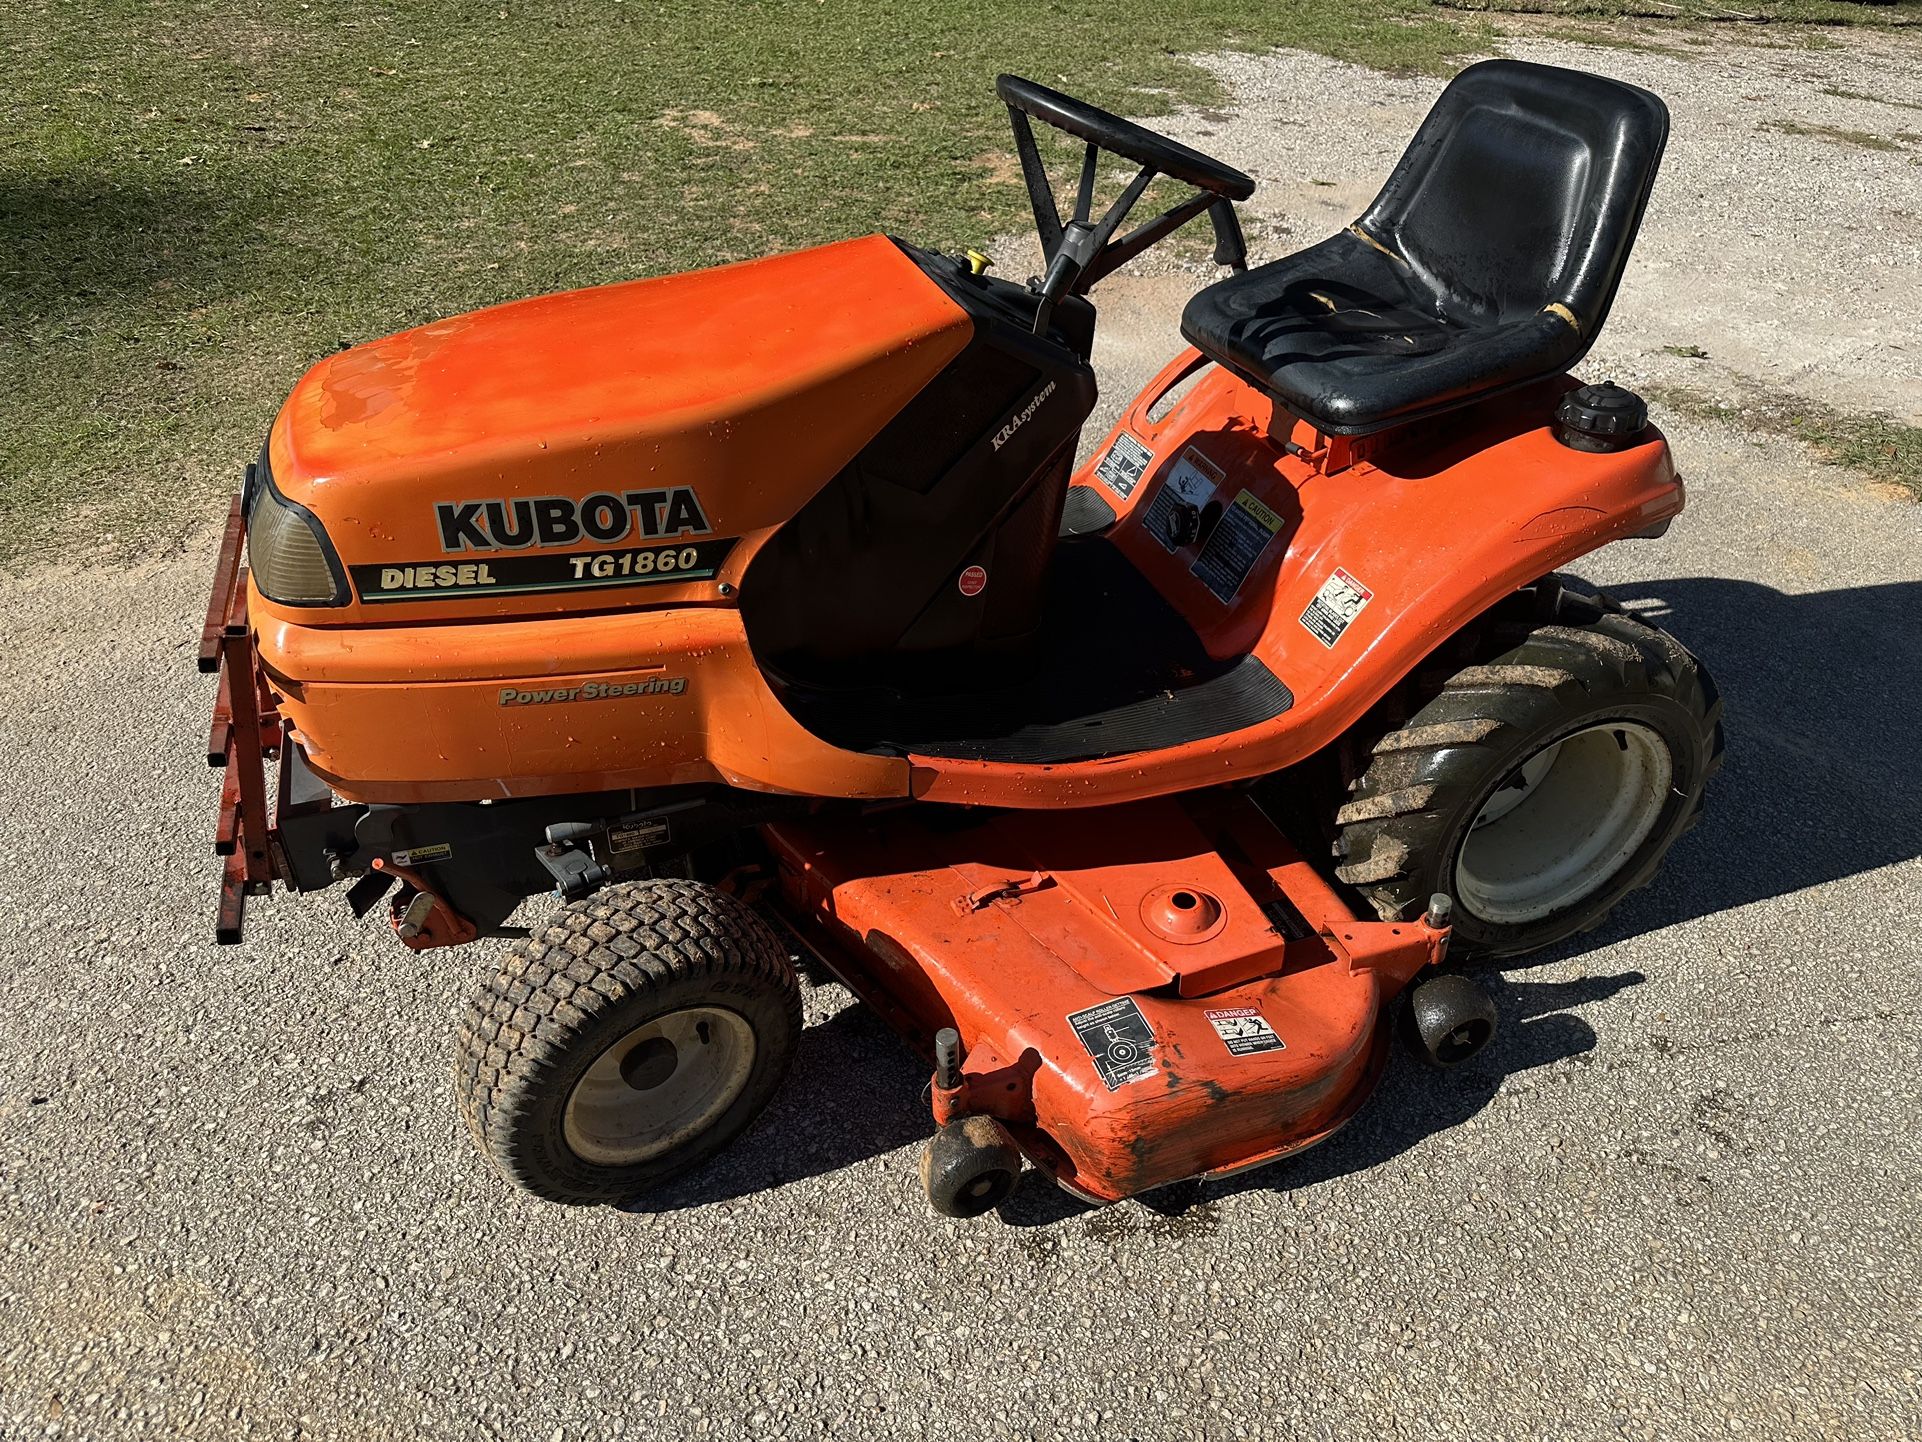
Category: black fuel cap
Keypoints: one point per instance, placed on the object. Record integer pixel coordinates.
(1600, 418)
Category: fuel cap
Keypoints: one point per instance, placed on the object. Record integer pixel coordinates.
(1600, 418)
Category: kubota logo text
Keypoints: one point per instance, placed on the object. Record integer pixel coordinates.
(563, 521)
(1021, 418)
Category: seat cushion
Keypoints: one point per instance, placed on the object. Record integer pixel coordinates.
(1344, 336)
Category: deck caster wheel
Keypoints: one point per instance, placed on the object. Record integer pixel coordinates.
(970, 1167)
(627, 1040)
(1451, 1019)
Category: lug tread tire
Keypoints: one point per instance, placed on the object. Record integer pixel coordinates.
(588, 975)
(1550, 653)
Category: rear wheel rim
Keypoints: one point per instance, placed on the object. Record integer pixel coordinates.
(659, 1086)
(1564, 824)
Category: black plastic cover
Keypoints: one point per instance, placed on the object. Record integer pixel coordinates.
(1600, 418)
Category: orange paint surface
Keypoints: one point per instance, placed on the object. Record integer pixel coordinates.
(751, 383)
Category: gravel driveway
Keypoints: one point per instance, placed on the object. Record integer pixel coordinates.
(1678, 1199)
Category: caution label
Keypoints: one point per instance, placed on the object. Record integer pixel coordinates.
(422, 855)
(1335, 607)
(1244, 1031)
(1125, 464)
(1235, 544)
(1119, 1040)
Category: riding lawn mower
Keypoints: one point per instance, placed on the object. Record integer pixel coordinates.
(763, 616)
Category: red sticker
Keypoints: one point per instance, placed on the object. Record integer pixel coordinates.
(973, 581)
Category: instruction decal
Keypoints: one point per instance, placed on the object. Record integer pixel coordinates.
(1244, 1031)
(1125, 464)
(1235, 544)
(1336, 604)
(1119, 1039)
(639, 835)
(1191, 482)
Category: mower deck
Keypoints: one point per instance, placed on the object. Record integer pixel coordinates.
(1143, 993)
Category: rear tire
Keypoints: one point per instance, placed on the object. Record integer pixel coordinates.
(627, 1040)
(1541, 783)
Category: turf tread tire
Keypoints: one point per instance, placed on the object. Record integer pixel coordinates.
(1555, 660)
(588, 975)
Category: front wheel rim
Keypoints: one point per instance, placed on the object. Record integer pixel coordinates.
(1564, 823)
(659, 1086)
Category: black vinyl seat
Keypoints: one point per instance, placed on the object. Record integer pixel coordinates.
(1488, 260)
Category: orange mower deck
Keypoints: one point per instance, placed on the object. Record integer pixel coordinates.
(1149, 993)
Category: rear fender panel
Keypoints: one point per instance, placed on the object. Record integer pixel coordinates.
(1350, 562)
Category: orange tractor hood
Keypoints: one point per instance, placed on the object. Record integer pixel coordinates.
(748, 386)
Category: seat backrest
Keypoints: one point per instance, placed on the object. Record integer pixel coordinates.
(1523, 189)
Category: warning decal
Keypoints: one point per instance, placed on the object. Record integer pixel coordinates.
(1119, 1039)
(1125, 464)
(1336, 604)
(1235, 544)
(421, 855)
(1244, 1031)
(1191, 482)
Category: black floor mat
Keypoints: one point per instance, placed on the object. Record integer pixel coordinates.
(1116, 670)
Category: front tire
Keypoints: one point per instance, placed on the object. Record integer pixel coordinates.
(1540, 786)
(627, 1040)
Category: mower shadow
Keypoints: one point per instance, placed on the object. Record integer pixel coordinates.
(1413, 1101)
(852, 1054)
(1823, 709)
(1822, 697)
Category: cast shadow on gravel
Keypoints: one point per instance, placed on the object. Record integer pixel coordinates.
(1822, 710)
(1412, 1102)
(1822, 702)
(856, 1091)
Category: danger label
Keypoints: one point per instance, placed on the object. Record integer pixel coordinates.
(1244, 1031)
(1119, 1040)
(1191, 484)
(1335, 607)
(1125, 464)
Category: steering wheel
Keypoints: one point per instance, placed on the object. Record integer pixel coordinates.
(1082, 250)
(1123, 137)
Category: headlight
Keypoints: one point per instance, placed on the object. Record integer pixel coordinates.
(287, 550)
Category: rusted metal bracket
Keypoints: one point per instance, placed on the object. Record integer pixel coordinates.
(422, 918)
(246, 732)
(1001, 891)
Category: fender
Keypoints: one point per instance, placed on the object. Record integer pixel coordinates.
(1429, 528)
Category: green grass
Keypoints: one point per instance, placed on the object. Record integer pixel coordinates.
(1841, 93)
(1841, 135)
(197, 200)
(1797, 12)
(1876, 446)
